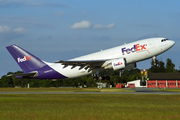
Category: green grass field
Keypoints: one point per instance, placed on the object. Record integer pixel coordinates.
(89, 107)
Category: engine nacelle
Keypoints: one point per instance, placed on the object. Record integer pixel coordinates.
(116, 64)
(119, 64)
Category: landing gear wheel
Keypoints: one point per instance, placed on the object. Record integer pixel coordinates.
(95, 78)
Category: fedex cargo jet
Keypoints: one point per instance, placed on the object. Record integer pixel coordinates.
(117, 58)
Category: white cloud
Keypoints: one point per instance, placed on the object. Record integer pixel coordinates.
(110, 25)
(84, 12)
(61, 13)
(8, 33)
(19, 30)
(18, 3)
(87, 24)
(82, 24)
(99, 26)
(4, 29)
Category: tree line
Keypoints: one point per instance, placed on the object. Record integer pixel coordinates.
(126, 76)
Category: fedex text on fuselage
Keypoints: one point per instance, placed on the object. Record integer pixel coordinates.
(136, 47)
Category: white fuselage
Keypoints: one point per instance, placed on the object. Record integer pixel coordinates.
(132, 52)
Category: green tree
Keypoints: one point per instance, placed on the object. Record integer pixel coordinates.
(153, 68)
(169, 66)
(157, 67)
(161, 68)
(91, 82)
(7, 81)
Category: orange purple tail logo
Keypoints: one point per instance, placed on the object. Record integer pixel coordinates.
(23, 59)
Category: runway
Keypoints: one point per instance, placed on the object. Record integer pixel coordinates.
(144, 92)
(137, 90)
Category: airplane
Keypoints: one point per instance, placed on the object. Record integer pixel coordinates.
(118, 58)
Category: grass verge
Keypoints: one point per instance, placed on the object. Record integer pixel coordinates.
(89, 107)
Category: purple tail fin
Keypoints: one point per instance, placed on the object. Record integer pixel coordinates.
(24, 59)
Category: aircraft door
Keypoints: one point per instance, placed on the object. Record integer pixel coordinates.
(151, 44)
(151, 48)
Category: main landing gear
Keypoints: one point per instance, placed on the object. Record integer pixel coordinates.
(101, 77)
(98, 76)
(155, 62)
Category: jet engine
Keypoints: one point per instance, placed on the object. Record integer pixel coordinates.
(116, 64)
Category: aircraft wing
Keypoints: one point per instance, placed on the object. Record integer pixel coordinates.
(115, 64)
(83, 64)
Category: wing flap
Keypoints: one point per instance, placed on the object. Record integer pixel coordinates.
(83, 64)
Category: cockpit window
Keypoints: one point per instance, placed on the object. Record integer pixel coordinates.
(164, 40)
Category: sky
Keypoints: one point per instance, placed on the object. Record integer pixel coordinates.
(63, 29)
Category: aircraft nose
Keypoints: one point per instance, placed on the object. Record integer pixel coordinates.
(172, 42)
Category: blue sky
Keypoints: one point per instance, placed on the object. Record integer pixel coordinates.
(60, 30)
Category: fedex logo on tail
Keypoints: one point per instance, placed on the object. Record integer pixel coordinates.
(135, 47)
(25, 58)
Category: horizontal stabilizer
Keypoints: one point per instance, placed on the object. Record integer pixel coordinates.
(31, 74)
